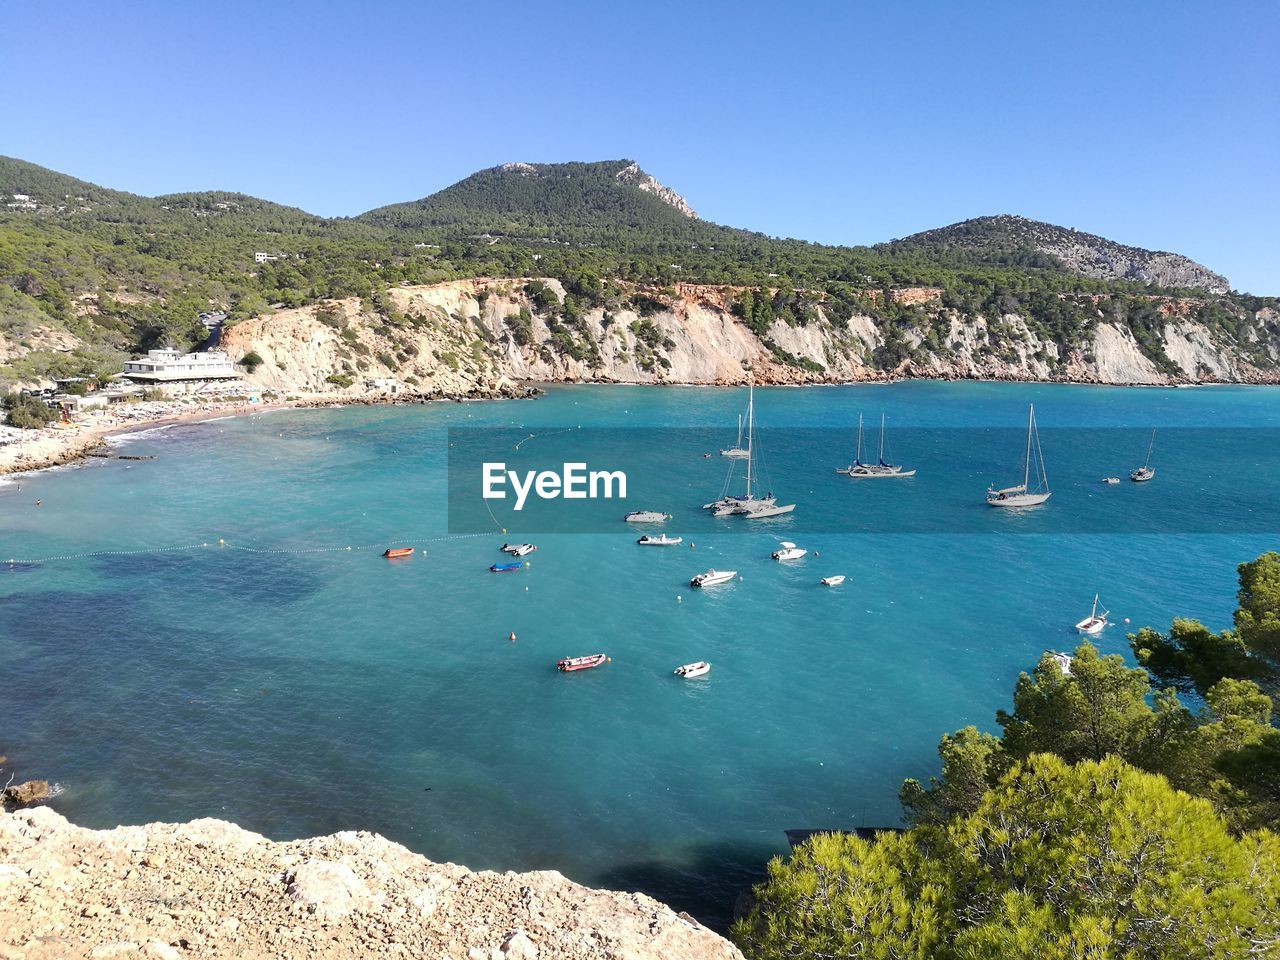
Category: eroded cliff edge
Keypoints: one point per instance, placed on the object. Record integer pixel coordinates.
(209, 888)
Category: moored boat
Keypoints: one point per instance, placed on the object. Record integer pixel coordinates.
(520, 549)
(712, 577)
(571, 664)
(788, 551)
(834, 581)
(1145, 472)
(1022, 495)
(661, 540)
(393, 553)
(690, 670)
(506, 567)
(646, 516)
(1110, 480)
(1094, 622)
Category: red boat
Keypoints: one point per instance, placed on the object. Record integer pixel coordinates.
(571, 664)
(394, 552)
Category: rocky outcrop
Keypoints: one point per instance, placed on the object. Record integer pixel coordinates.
(209, 888)
(21, 794)
(633, 176)
(484, 337)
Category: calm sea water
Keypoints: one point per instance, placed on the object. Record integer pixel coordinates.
(316, 689)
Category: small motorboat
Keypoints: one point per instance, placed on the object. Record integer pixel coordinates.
(788, 551)
(662, 540)
(521, 549)
(393, 553)
(691, 670)
(571, 664)
(506, 567)
(1060, 660)
(712, 577)
(646, 516)
(833, 581)
(1094, 622)
(1110, 480)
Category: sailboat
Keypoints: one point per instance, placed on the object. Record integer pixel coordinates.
(1093, 623)
(737, 451)
(860, 470)
(1022, 495)
(748, 505)
(1144, 472)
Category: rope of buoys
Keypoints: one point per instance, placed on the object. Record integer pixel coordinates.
(223, 545)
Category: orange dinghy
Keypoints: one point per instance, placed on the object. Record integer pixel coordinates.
(394, 552)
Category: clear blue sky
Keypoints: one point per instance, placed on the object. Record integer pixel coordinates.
(1156, 124)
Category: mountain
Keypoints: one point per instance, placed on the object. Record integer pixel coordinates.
(88, 274)
(1005, 236)
(567, 201)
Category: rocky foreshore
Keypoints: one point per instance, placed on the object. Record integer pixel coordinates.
(211, 889)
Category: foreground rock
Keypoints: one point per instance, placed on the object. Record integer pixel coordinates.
(209, 888)
(21, 794)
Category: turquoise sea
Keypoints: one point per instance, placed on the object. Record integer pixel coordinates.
(297, 687)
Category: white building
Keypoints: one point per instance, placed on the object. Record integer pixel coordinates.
(260, 257)
(170, 366)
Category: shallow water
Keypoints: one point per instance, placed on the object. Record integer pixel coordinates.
(318, 689)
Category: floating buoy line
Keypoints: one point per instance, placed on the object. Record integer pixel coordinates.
(223, 545)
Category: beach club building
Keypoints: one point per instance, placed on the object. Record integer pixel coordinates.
(187, 372)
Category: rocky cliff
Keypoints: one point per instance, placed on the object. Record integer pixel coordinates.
(209, 888)
(471, 336)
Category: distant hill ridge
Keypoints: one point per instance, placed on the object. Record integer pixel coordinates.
(89, 274)
(611, 201)
(1079, 252)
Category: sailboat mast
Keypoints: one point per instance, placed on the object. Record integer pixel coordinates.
(751, 394)
(1031, 420)
(1150, 443)
(882, 438)
(857, 454)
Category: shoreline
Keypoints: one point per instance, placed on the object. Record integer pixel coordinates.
(56, 446)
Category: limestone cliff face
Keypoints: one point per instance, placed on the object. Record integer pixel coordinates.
(211, 889)
(475, 336)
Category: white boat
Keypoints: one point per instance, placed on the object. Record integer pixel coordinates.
(646, 516)
(835, 581)
(1110, 480)
(661, 540)
(518, 549)
(764, 510)
(737, 451)
(1144, 472)
(1061, 660)
(788, 551)
(748, 504)
(1094, 622)
(691, 670)
(869, 471)
(712, 577)
(1023, 495)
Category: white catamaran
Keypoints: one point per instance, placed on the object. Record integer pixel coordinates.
(859, 470)
(1144, 472)
(748, 504)
(1023, 495)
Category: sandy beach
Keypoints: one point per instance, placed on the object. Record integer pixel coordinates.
(25, 450)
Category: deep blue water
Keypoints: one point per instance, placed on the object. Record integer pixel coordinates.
(316, 688)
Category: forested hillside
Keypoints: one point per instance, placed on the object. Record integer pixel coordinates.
(88, 274)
